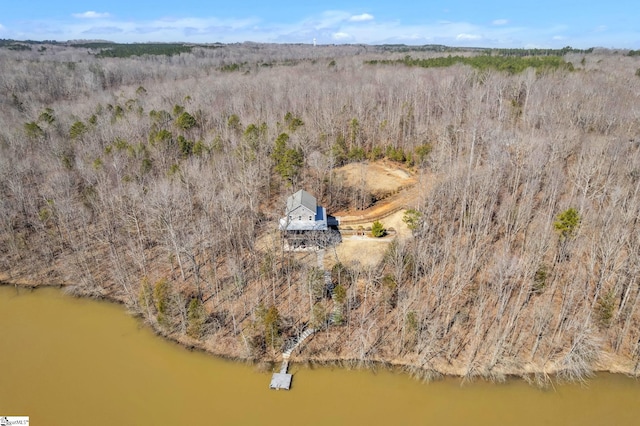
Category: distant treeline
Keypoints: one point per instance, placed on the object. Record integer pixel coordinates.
(109, 49)
(124, 50)
(539, 52)
(9, 42)
(16, 45)
(246, 67)
(511, 64)
(424, 48)
(499, 52)
(140, 49)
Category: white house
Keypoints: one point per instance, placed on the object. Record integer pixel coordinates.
(303, 214)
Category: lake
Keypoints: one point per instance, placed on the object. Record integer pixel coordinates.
(68, 361)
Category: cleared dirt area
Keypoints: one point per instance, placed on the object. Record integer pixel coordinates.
(380, 178)
(395, 186)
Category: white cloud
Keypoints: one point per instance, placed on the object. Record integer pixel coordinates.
(361, 18)
(342, 36)
(500, 22)
(464, 36)
(90, 14)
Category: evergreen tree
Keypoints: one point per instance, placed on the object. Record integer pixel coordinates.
(195, 318)
(567, 223)
(377, 229)
(288, 161)
(161, 298)
(186, 121)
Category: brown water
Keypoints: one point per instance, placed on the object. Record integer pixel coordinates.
(65, 361)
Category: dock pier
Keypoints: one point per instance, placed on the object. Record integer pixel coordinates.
(282, 379)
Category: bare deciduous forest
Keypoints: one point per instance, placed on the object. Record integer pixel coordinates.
(158, 181)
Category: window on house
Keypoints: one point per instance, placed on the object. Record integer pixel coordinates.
(299, 217)
(310, 217)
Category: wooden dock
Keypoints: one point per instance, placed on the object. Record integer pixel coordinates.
(282, 379)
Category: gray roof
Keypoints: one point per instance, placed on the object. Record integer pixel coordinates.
(318, 224)
(301, 198)
(317, 215)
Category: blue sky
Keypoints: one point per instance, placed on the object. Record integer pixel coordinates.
(541, 23)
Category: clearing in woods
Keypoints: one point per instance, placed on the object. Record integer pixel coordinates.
(396, 189)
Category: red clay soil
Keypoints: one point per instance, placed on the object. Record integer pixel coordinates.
(404, 199)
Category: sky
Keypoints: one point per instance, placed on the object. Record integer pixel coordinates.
(471, 23)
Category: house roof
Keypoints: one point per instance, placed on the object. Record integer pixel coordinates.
(301, 198)
(318, 224)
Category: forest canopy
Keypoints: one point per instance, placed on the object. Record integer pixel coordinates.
(156, 176)
(511, 64)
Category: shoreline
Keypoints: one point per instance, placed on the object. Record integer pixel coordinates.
(531, 374)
